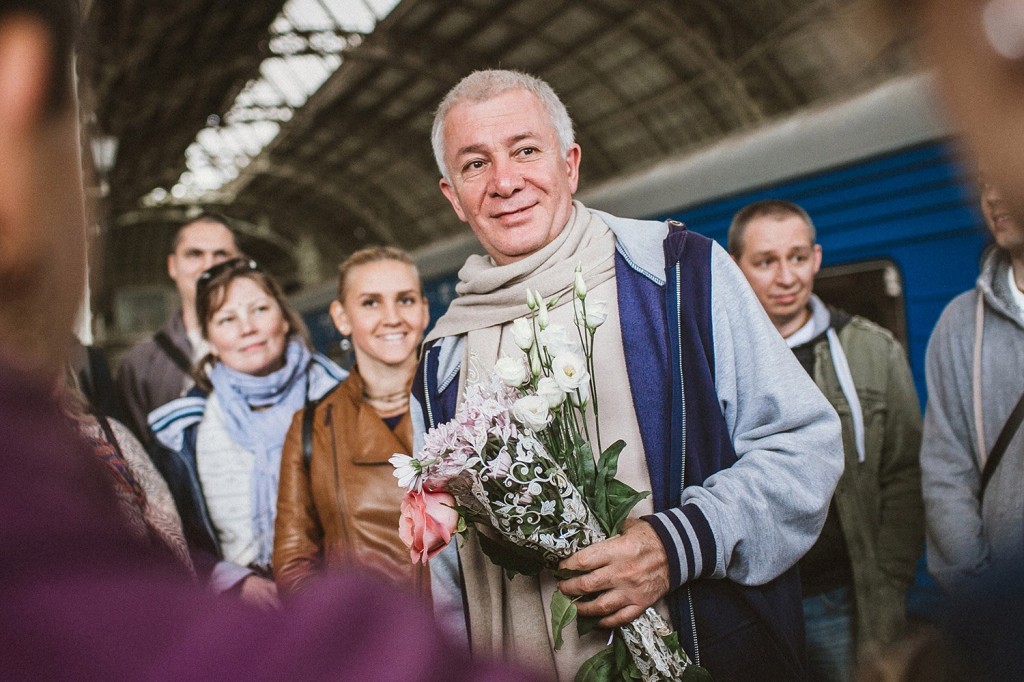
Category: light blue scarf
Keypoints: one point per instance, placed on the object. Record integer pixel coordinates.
(259, 411)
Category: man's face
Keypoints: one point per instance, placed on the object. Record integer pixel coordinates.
(780, 262)
(1004, 226)
(200, 246)
(509, 179)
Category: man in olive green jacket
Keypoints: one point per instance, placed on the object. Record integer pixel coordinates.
(855, 577)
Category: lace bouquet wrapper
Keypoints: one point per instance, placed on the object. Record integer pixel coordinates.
(516, 463)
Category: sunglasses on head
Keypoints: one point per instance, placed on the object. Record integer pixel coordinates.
(234, 265)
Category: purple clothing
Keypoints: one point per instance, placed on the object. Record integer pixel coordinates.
(82, 600)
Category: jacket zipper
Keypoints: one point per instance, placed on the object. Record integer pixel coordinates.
(682, 430)
(426, 390)
(338, 497)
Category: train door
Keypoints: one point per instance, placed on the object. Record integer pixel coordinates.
(872, 289)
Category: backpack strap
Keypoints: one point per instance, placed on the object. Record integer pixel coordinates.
(999, 449)
(307, 432)
(308, 410)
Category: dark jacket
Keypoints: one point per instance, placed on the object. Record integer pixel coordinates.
(878, 500)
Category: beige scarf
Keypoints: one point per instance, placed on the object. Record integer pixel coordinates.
(490, 295)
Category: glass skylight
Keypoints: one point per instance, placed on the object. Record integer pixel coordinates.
(307, 41)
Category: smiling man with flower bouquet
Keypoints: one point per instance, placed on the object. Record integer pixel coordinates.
(740, 453)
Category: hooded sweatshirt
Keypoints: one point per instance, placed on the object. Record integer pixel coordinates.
(965, 537)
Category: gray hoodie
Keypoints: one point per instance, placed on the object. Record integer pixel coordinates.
(965, 537)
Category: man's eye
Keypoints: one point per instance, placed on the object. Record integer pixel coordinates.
(527, 151)
(369, 303)
(473, 165)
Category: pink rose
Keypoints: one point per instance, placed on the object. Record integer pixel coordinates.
(427, 523)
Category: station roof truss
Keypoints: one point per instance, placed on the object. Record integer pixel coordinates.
(308, 121)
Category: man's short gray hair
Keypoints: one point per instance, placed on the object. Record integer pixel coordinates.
(481, 86)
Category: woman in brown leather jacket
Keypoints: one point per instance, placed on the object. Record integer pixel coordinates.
(340, 507)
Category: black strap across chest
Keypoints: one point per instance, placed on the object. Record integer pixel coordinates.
(999, 449)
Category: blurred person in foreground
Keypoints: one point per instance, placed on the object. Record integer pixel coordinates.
(222, 442)
(338, 504)
(856, 575)
(975, 360)
(81, 598)
(693, 378)
(976, 48)
(156, 371)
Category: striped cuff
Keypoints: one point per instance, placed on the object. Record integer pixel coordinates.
(688, 541)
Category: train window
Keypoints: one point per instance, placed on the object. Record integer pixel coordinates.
(871, 289)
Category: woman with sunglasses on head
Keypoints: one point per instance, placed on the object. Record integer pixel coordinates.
(339, 502)
(224, 438)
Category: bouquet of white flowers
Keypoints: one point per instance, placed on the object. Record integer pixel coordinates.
(516, 461)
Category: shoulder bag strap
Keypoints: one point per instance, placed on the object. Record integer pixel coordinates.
(1005, 436)
(176, 355)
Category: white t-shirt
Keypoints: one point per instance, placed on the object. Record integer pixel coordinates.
(1018, 295)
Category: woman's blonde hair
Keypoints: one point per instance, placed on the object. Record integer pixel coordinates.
(373, 254)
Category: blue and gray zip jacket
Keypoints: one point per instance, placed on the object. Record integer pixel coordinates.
(742, 450)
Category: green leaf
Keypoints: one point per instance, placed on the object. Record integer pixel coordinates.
(513, 558)
(586, 624)
(621, 512)
(607, 465)
(587, 471)
(623, 658)
(598, 668)
(695, 673)
(563, 610)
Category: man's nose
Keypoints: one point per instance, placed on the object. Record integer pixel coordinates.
(506, 178)
(785, 275)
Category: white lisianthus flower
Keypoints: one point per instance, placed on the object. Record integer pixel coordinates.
(581, 395)
(570, 371)
(555, 338)
(580, 286)
(531, 302)
(535, 366)
(549, 389)
(407, 470)
(597, 313)
(512, 371)
(542, 311)
(532, 412)
(522, 333)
